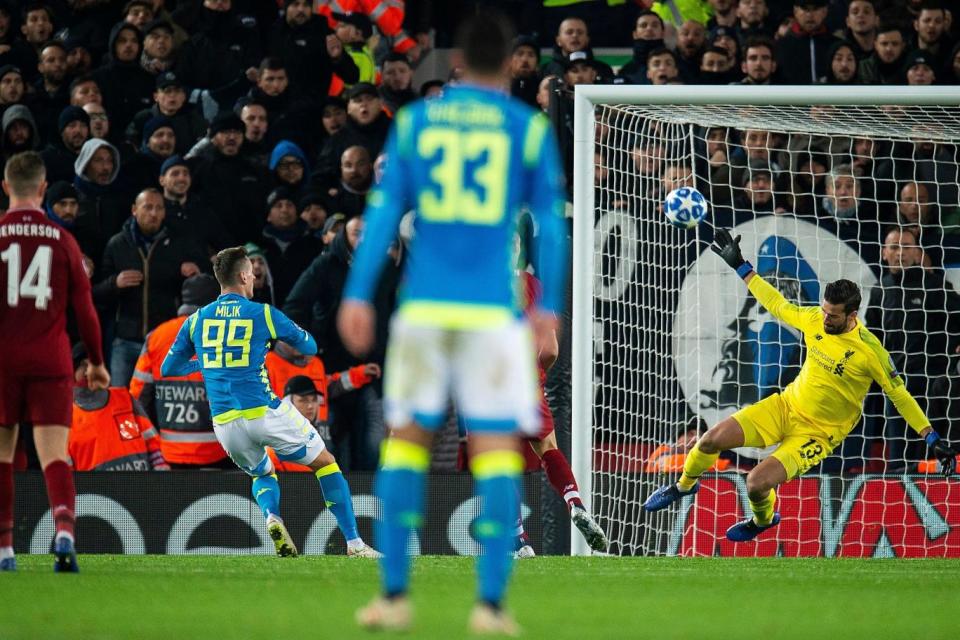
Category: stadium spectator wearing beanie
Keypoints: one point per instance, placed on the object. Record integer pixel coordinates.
(56, 193)
(287, 242)
(315, 207)
(126, 86)
(299, 38)
(157, 143)
(187, 213)
(262, 276)
(802, 53)
(290, 168)
(843, 65)
(354, 30)
(73, 130)
(647, 37)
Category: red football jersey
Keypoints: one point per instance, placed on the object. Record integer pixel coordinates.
(41, 271)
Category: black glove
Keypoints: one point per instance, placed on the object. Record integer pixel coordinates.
(942, 452)
(728, 249)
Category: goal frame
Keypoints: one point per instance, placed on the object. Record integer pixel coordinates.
(586, 98)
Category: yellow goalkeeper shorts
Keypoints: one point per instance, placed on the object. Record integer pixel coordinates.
(802, 444)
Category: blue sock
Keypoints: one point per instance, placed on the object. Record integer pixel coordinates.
(495, 474)
(399, 486)
(336, 494)
(266, 491)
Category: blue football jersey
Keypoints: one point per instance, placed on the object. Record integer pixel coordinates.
(231, 337)
(468, 163)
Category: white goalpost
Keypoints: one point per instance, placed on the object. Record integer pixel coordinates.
(822, 183)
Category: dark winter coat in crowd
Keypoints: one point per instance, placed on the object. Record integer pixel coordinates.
(108, 205)
(46, 108)
(58, 160)
(303, 50)
(393, 100)
(915, 313)
(13, 114)
(223, 45)
(291, 118)
(159, 259)
(315, 299)
(554, 67)
(235, 189)
(874, 71)
(289, 253)
(195, 218)
(127, 88)
(371, 137)
(802, 58)
(634, 71)
(188, 125)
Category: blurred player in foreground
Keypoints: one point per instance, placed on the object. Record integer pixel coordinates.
(230, 338)
(815, 412)
(466, 163)
(41, 268)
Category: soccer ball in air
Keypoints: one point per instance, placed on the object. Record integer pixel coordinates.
(685, 207)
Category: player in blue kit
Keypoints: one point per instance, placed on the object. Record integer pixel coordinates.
(467, 163)
(231, 337)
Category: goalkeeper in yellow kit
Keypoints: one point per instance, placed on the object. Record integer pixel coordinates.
(815, 412)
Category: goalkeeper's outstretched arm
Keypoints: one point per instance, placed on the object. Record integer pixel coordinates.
(907, 406)
(728, 248)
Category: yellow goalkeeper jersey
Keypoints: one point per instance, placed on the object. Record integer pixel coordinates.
(837, 370)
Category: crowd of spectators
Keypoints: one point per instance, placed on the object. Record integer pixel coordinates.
(172, 129)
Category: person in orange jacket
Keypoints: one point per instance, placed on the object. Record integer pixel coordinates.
(388, 15)
(304, 395)
(178, 405)
(284, 362)
(110, 429)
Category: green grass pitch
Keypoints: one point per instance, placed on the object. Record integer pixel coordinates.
(224, 597)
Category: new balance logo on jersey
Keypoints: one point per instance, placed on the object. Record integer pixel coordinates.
(818, 337)
(838, 370)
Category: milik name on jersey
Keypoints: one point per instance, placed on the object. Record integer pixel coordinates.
(30, 231)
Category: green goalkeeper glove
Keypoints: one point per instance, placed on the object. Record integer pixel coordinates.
(728, 248)
(942, 452)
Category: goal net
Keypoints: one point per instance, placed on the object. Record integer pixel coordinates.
(667, 340)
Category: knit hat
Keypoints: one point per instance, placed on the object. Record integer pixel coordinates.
(60, 191)
(154, 123)
(280, 193)
(197, 291)
(226, 121)
(72, 114)
(299, 386)
(176, 160)
(254, 250)
(314, 197)
(159, 23)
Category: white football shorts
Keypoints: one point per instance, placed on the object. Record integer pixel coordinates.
(284, 429)
(489, 375)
